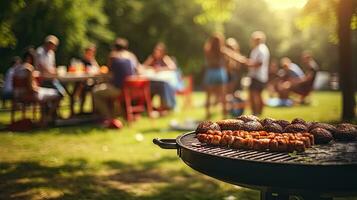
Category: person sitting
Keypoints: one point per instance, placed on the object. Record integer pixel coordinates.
(88, 59)
(160, 61)
(306, 85)
(46, 63)
(92, 67)
(48, 97)
(46, 58)
(301, 85)
(292, 70)
(122, 63)
(7, 92)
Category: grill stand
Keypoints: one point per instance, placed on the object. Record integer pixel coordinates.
(209, 160)
(268, 195)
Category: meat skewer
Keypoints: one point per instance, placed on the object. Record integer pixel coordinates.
(258, 140)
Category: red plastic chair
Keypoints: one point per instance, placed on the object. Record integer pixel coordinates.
(187, 90)
(136, 96)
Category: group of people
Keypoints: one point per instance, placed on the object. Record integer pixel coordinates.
(123, 63)
(41, 63)
(293, 79)
(225, 66)
(25, 72)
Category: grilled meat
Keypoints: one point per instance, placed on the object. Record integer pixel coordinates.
(321, 135)
(295, 128)
(204, 126)
(252, 126)
(329, 127)
(282, 123)
(299, 121)
(258, 140)
(230, 124)
(266, 121)
(346, 132)
(248, 118)
(273, 127)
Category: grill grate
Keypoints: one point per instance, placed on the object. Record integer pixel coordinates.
(334, 153)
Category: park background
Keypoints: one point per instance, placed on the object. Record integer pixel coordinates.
(291, 27)
(87, 161)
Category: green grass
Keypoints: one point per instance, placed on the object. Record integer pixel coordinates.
(89, 162)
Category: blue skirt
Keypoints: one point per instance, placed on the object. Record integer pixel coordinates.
(215, 76)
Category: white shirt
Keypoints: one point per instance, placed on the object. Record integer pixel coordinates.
(46, 59)
(260, 54)
(297, 71)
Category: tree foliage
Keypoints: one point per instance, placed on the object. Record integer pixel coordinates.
(8, 9)
(182, 24)
(76, 23)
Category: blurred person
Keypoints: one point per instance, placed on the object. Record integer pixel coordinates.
(216, 77)
(48, 97)
(273, 77)
(122, 63)
(233, 67)
(289, 73)
(46, 58)
(7, 91)
(160, 61)
(91, 66)
(88, 58)
(304, 85)
(258, 68)
(46, 63)
(292, 70)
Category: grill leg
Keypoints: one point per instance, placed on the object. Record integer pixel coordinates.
(315, 197)
(264, 195)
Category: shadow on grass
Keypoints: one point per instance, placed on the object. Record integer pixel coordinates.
(77, 180)
(70, 130)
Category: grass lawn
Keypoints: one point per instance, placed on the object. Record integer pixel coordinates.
(89, 162)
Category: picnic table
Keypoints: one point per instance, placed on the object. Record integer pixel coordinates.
(71, 79)
(163, 83)
(167, 76)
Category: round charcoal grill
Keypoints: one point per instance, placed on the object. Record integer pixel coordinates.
(321, 172)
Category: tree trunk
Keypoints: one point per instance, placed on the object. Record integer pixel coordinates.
(347, 78)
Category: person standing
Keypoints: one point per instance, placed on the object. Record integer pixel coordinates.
(258, 68)
(216, 77)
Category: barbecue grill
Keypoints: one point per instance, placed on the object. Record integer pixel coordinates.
(321, 172)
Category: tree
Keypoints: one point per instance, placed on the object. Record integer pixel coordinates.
(144, 23)
(249, 16)
(347, 75)
(75, 22)
(7, 10)
(339, 19)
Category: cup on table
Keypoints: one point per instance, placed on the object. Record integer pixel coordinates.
(61, 70)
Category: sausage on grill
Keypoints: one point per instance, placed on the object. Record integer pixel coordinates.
(258, 140)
